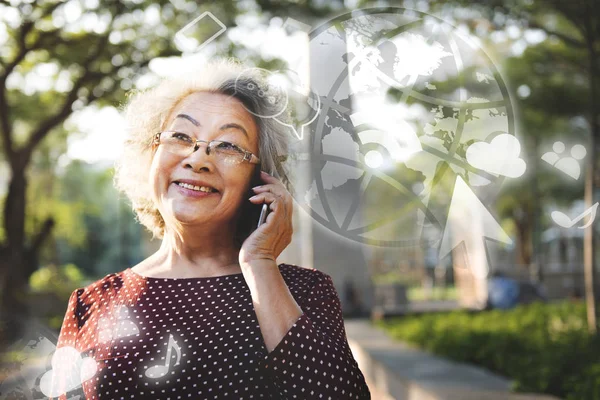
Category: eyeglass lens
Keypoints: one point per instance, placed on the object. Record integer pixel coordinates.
(183, 145)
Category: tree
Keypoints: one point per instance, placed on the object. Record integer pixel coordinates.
(575, 25)
(108, 238)
(90, 53)
(552, 101)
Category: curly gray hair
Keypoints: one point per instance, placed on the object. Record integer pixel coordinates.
(146, 114)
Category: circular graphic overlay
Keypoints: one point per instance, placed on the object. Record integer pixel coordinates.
(402, 94)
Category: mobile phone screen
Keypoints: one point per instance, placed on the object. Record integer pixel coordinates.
(263, 215)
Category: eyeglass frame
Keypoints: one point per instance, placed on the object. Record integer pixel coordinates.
(248, 156)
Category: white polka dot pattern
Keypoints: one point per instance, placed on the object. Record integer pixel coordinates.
(199, 338)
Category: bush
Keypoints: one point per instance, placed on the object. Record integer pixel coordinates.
(544, 348)
(59, 280)
(51, 287)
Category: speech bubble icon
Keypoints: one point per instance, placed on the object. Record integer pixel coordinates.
(262, 83)
(304, 105)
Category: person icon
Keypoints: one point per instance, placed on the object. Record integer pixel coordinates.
(552, 157)
(568, 165)
(105, 331)
(124, 326)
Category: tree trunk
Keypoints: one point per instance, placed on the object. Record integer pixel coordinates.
(17, 260)
(589, 255)
(14, 212)
(588, 247)
(524, 227)
(13, 263)
(536, 265)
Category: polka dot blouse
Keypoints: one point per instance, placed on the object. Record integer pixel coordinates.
(136, 337)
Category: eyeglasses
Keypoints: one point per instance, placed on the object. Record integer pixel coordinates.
(183, 145)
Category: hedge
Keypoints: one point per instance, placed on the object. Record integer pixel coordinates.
(543, 348)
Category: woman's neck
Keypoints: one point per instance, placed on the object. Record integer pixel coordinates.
(186, 254)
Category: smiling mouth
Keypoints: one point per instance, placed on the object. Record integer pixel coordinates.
(205, 189)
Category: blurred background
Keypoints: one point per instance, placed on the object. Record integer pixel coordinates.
(443, 166)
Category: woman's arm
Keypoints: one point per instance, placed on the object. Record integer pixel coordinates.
(313, 357)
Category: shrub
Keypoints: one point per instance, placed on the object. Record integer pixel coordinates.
(543, 348)
(59, 280)
(51, 287)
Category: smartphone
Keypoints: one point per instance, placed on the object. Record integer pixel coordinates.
(259, 211)
(252, 215)
(263, 215)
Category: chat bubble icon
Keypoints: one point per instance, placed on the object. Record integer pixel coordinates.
(304, 105)
(264, 84)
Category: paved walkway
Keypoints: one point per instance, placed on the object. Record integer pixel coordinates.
(396, 371)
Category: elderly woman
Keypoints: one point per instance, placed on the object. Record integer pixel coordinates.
(211, 314)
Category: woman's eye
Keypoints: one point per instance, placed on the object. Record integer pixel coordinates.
(227, 146)
(181, 136)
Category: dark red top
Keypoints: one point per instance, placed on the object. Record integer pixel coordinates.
(194, 338)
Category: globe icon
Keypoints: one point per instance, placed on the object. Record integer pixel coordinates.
(402, 94)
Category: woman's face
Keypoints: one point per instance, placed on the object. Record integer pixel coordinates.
(205, 116)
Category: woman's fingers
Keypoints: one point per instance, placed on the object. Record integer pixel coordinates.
(271, 187)
(266, 197)
(281, 211)
(273, 198)
(268, 178)
(276, 195)
(262, 189)
(278, 192)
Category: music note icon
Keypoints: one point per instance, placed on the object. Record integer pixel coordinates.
(158, 371)
(563, 220)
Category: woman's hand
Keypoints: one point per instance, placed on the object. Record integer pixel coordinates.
(275, 234)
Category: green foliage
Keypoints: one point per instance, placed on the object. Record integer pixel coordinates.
(544, 348)
(556, 71)
(67, 215)
(110, 237)
(58, 280)
(57, 58)
(418, 293)
(50, 289)
(587, 382)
